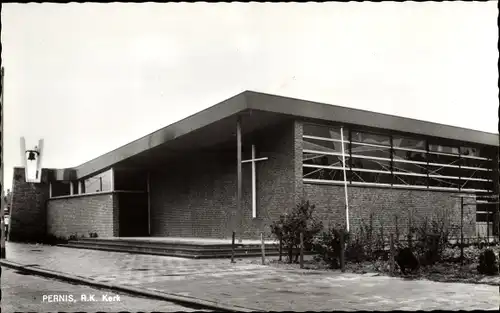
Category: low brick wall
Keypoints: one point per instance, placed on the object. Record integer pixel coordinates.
(83, 214)
(385, 204)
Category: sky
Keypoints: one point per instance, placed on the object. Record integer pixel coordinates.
(88, 78)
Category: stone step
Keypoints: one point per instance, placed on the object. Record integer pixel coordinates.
(177, 245)
(171, 251)
(168, 246)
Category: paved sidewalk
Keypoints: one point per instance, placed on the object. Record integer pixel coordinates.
(255, 286)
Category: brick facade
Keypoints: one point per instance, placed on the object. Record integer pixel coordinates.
(27, 216)
(385, 204)
(197, 197)
(83, 214)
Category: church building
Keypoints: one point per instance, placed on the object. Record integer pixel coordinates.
(183, 180)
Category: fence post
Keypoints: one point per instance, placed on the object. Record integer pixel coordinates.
(461, 230)
(391, 258)
(232, 248)
(301, 250)
(281, 247)
(263, 248)
(342, 248)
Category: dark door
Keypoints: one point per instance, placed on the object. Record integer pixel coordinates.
(133, 214)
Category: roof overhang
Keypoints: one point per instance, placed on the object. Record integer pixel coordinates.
(217, 124)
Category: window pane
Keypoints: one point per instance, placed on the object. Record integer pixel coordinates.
(484, 152)
(322, 159)
(371, 164)
(410, 180)
(477, 185)
(477, 163)
(324, 131)
(358, 149)
(323, 145)
(469, 151)
(483, 217)
(410, 168)
(100, 182)
(371, 138)
(443, 149)
(408, 143)
(444, 159)
(444, 182)
(409, 155)
(466, 173)
(445, 171)
(368, 177)
(324, 174)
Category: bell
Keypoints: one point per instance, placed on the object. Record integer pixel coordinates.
(31, 156)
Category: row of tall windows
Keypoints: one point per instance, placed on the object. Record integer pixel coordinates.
(393, 160)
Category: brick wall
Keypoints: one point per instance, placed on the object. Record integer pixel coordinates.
(385, 204)
(298, 160)
(83, 214)
(197, 197)
(27, 220)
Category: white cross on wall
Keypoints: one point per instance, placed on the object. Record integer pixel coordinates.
(254, 180)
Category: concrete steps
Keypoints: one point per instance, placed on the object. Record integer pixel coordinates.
(176, 249)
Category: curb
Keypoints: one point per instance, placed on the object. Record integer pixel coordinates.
(131, 290)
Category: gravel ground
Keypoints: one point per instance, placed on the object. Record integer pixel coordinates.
(441, 272)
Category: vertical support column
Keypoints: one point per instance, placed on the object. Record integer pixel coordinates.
(149, 202)
(71, 188)
(80, 189)
(460, 160)
(392, 161)
(112, 179)
(350, 156)
(461, 229)
(50, 189)
(254, 184)
(345, 179)
(427, 154)
(239, 178)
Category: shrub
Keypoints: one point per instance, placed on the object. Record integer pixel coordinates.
(328, 247)
(290, 225)
(73, 237)
(356, 251)
(406, 260)
(432, 239)
(92, 235)
(360, 243)
(487, 263)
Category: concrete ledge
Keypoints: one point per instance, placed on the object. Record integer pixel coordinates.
(95, 194)
(211, 305)
(90, 194)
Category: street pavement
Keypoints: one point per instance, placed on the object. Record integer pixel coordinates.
(28, 293)
(256, 286)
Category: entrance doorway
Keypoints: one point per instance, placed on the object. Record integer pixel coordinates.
(131, 187)
(133, 214)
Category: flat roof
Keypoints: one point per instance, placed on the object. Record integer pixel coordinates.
(277, 105)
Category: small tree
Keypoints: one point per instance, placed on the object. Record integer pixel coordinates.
(290, 225)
